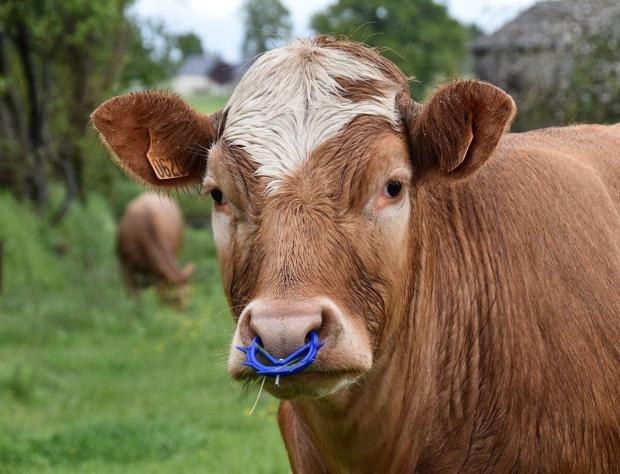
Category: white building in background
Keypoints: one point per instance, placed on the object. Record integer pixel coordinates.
(207, 73)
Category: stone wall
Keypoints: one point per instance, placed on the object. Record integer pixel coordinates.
(560, 60)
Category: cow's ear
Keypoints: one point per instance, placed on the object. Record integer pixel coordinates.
(458, 129)
(156, 137)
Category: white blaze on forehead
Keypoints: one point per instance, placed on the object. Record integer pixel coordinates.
(289, 102)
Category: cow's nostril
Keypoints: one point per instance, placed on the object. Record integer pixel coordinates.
(329, 321)
(285, 325)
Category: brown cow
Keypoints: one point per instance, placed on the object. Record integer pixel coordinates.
(465, 281)
(150, 234)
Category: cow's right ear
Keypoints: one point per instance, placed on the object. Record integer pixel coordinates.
(156, 137)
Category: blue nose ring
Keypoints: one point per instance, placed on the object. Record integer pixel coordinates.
(274, 367)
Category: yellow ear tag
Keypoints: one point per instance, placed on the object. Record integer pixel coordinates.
(165, 167)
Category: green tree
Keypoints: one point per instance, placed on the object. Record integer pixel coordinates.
(188, 44)
(266, 23)
(417, 35)
(56, 54)
(58, 60)
(148, 59)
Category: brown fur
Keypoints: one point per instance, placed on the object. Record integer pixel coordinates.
(366, 54)
(456, 131)
(150, 234)
(357, 90)
(494, 327)
(508, 359)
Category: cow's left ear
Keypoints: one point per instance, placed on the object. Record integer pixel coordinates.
(458, 129)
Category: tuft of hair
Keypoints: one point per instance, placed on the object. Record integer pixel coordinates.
(293, 99)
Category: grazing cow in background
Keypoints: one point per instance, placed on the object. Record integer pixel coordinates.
(464, 281)
(150, 234)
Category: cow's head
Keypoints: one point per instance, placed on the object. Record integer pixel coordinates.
(176, 293)
(314, 167)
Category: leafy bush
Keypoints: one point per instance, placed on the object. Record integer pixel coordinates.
(27, 262)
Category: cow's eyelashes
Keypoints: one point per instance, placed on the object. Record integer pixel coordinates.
(218, 197)
(209, 186)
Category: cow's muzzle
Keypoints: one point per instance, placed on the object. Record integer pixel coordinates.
(271, 331)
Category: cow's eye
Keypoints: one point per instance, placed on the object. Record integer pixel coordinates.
(392, 188)
(218, 197)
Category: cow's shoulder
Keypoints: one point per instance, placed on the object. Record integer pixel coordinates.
(573, 157)
(594, 145)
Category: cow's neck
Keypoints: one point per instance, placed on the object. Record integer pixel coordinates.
(367, 427)
(425, 387)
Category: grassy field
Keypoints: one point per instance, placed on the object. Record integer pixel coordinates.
(93, 382)
(207, 103)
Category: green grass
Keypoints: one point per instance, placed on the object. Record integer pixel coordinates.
(91, 381)
(207, 103)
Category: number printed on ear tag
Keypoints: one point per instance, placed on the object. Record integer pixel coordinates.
(165, 167)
